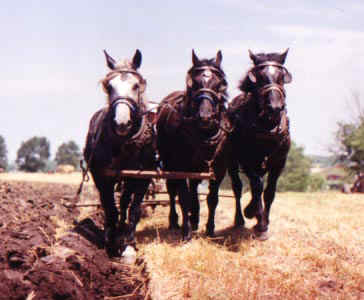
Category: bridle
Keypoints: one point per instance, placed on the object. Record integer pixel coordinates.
(200, 92)
(206, 93)
(262, 91)
(130, 102)
(133, 105)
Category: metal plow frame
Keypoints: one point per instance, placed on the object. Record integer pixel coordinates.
(161, 174)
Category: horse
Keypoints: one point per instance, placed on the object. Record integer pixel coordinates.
(260, 138)
(358, 185)
(191, 135)
(120, 136)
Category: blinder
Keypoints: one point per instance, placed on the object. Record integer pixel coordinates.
(142, 81)
(202, 68)
(287, 77)
(223, 87)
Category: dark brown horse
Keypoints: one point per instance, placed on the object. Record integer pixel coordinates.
(121, 137)
(260, 139)
(358, 185)
(191, 131)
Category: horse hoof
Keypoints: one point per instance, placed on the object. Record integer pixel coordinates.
(187, 237)
(173, 226)
(194, 227)
(210, 231)
(129, 255)
(261, 235)
(249, 212)
(239, 223)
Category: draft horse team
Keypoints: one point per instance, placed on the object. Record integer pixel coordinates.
(195, 130)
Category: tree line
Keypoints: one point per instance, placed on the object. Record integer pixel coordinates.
(33, 155)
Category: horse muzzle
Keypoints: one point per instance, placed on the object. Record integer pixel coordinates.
(122, 129)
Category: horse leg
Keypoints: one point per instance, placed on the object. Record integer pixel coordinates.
(255, 207)
(212, 201)
(106, 191)
(195, 204)
(172, 192)
(139, 190)
(125, 200)
(185, 202)
(213, 195)
(269, 192)
(237, 186)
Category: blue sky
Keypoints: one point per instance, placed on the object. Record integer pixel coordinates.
(51, 57)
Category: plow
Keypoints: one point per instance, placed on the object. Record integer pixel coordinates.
(158, 174)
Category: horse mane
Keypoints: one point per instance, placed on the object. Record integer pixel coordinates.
(245, 83)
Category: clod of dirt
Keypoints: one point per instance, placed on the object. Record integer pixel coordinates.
(37, 264)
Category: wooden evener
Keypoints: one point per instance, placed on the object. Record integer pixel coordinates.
(166, 174)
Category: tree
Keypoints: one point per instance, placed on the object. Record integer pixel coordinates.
(350, 138)
(33, 154)
(3, 154)
(68, 154)
(296, 174)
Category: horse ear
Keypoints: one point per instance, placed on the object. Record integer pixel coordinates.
(111, 63)
(283, 56)
(252, 56)
(218, 58)
(195, 60)
(137, 60)
(252, 77)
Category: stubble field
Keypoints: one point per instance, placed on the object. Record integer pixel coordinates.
(316, 248)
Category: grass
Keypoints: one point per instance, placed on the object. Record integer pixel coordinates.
(72, 178)
(315, 252)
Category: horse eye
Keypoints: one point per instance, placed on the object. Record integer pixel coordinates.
(135, 87)
(107, 87)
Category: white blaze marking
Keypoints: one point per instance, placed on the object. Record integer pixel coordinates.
(123, 88)
(122, 114)
(271, 70)
(207, 74)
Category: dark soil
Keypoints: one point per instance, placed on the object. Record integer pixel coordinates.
(38, 262)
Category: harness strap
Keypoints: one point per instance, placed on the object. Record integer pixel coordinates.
(272, 87)
(85, 176)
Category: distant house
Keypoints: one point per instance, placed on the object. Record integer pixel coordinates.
(334, 177)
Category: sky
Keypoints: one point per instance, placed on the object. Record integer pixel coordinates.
(52, 61)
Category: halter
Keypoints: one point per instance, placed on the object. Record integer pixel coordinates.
(127, 99)
(131, 71)
(207, 90)
(202, 68)
(271, 86)
(201, 95)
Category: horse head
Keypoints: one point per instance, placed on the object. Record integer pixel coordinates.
(125, 88)
(265, 80)
(206, 90)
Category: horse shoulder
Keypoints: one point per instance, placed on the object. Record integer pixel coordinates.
(169, 116)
